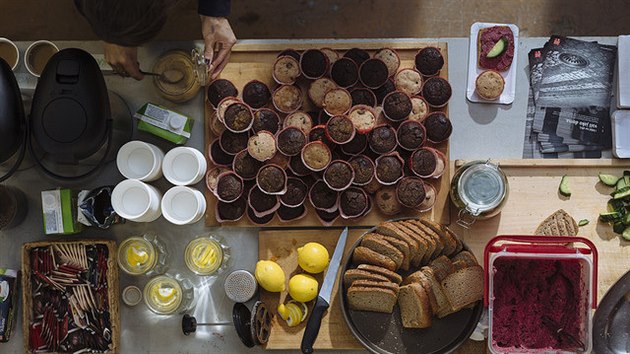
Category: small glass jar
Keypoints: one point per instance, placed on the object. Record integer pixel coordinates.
(206, 255)
(145, 255)
(167, 294)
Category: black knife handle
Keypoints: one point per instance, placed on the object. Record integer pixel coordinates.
(313, 324)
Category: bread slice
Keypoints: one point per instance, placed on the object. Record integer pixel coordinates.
(415, 309)
(422, 243)
(352, 275)
(371, 299)
(428, 240)
(377, 244)
(421, 278)
(375, 284)
(402, 247)
(467, 257)
(443, 305)
(447, 240)
(366, 255)
(388, 229)
(464, 287)
(439, 245)
(559, 223)
(392, 276)
(442, 267)
(459, 245)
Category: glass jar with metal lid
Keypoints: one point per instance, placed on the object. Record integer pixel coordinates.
(479, 189)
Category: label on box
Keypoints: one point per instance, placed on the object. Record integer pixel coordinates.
(51, 208)
(164, 118)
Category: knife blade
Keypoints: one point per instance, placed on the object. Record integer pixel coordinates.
(323, 298)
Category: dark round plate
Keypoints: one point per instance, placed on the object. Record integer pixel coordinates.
(611, 322)
(384, 333)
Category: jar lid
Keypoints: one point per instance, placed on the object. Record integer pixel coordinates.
(481, 187)
(131, 295)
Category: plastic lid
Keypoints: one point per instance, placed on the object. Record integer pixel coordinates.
(242, 318)
(481, 187)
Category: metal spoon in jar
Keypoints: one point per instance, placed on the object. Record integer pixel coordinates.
(169, 76)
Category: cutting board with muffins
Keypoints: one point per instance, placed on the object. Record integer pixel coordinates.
(328, 134)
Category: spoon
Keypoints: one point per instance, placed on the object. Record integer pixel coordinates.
(169, 76)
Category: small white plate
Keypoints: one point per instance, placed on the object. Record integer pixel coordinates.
(507, 97)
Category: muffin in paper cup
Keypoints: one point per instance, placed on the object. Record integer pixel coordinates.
(411, 135)
(223, 106)
(382, 139)
(322, 197)
(291, 140)
(262, 146)
(339, 175)
(296, 194)
(314, 64)
(429, 61)
(337, 101)
(298, 119)
(340, 130)
(286, 70)
(345, 72)
(419, 109)
(212, 177)
(261, 203)
(427, 162)
(317, 90)
(362, 95)
(272, 179)
(316, 156)
(262, 221)
(230, 212)
(408, 81)
(397, 106)
(246, 166)
(217, 156)
(229, 187)
(287, 98)
(410, 192)
(356, 146)
(438, 126)
(297, 167)
(373, 73)
(390, 58)
(437, 91)
(238, 117)
(357, 54)
(266, 119)
(256, 94)
(364, 170)
(218, 90)
(233, 143)
(389, 168)
(353, 203)
(363, 117)
(332, 54)
(288, 214)
(318, 133)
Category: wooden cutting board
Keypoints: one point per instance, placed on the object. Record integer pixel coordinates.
(281, 246)
(533, 188)
(255, 61)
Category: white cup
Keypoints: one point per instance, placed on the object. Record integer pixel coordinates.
(183, 166)
(139, 160)
(30, 65)
(183, 205)
(136, 201)
(9, 43)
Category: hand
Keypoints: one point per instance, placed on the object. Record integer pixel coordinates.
(124, 60)
(217, 33)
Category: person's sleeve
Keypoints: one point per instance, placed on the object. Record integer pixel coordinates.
(214, 8)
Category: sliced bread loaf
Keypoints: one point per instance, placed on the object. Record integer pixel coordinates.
(559, 223)
(375, 284)
(352, 275)
(371, 299)
(439, 245)
(402, 247)
(466, 257)
(388, 229)
(447, 240)
(415, 309)
(459, 245)
(464, 287)
(442, 267)
(366, 255)
(420, 278)
(428, 240)
(392, 276)
(443, 305)
(377, 244)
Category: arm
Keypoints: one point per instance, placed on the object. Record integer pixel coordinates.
(217, 34)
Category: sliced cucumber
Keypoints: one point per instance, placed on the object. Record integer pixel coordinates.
(621, 183)
(610, 216)
(498, 48)
(626, 220)
(621, 193)
(626, 177)
(564, 186)
(608, 180)
(618, 227)
(626, 233)
(583, 222)
(616, 205)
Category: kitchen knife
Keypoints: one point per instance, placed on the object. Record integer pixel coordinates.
(323, 299)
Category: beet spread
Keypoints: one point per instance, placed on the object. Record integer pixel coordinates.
(535, 298)
(488, 37)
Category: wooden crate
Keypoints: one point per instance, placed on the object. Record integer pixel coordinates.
(112, 284)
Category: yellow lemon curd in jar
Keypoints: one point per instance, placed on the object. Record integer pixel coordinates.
(203, 256)
(163, 295)
(136, 255)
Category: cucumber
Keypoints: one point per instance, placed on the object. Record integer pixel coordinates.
(621, 193)
(610, 216)
(498, 48)
(618, 227)
(626, 233)
(583, 222)
(621, 183)
(626, 177)
(564, 186)
(626, 220)
(616, 205)
(608, 180)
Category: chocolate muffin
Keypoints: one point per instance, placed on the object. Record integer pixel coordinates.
(291, 140)
(322, 197)
(337, 101)
(438, 126)
(386, 201)
(212, 177)
(218, 156)
(290, 52)
(262, 203)
(410, 192)
(220, 89)
(286, 213)
(423, 162)
(313, 63)
(373, 73)
(317, 133)
(316, 156)
(384, 90)
(390, 58)
(266, 119)
(339, 175)
(410, 135)
(233, 143)
(429, 61)
(389, 169)
(286, 70)
(229, 187)
(437, 92)
(256, 94)
(251, 214)
(340, 129)
(327, 218)
(245, 165)
(296, 165)
(373, 187)
(272, 179)
(358, 55)
(397, 106)
(357, 145)
(323, 117)
(382, 139)
(363, 168)
(353, 202)
(363, 96)
(296, 192)
(318, 88)
(287, 98)
(231, 211)
(345, 72)
(238, 117)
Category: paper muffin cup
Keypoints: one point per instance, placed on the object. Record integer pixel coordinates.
(360, 184)
(212, 177)
(278, 61)
(275, 114)
(300, 216)
(326, 64)
(331, 105)
(298, 119)
(220, 204)
(366, 91)
(284, 173)
(249, 125)
(440, 164)
(418, 180)
(411, 122)
(276, 99)
(219, 104)
(410, 90)
(391, 129)
(222, 143)
(402, 168)
(361, 74)
(215, 191)
(339, 189)
(328, 135)
(385, 111)
(362, 126)
(216, 146)
(256, 82)
(279, 142)
(251, 216)
(311, 144)
(330, 209)
(390, 58)
(262, 153)
(301, 202)
(346, 62)
(417, 114)
(433, 73)
(262, 214)
(223, 106)
(342, 212)
(245, 178)
(424, 95)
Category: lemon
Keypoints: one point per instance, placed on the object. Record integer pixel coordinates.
(137, 256)
(303, 287)
(313, 257)
(165, 295)
(270, 276)
(292, 313)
